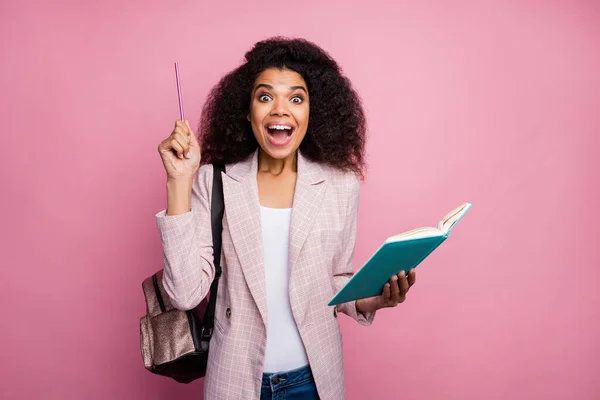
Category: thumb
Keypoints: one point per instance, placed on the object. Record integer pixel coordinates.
(193, 138)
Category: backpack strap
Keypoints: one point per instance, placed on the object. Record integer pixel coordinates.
(217, 208)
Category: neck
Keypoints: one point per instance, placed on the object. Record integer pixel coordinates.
(274, 166)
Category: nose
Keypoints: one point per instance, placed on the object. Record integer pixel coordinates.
(280, 108)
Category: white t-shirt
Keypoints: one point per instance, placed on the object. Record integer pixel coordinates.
(285, 350)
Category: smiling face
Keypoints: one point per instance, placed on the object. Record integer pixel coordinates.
(279, 112)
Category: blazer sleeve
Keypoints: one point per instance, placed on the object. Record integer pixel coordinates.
(187, 246)
(343, 269)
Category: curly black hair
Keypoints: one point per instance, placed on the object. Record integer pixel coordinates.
(336, 132)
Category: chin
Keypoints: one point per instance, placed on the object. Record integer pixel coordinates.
(279, 153)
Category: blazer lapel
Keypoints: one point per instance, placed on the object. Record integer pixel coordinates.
(308, 196)
(242, 207)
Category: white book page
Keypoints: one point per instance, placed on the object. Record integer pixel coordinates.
(419, 233)
(429, 231)
(452, 217)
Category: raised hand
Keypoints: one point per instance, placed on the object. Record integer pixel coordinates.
(180, 152)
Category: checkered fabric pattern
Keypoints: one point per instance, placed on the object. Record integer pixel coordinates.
(322, 238)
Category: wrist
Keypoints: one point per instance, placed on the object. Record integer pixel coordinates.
(180, 181)
(179, 196)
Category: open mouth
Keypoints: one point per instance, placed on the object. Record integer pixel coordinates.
(280, 134)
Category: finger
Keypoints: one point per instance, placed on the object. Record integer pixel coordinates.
(403, 284)
(180, 124)
(193, 138)
(166, 146)
(181, 138)
(395, 290)
(412, 277)
(181, 127)
(183, 142)
(183, 131)
(386, 293)
(176, 147)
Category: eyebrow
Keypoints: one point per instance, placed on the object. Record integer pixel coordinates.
(292, 88)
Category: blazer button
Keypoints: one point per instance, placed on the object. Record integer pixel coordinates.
(228, 313)
(335, 311)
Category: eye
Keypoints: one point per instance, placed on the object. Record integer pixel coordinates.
(264, 97)
(297, 99)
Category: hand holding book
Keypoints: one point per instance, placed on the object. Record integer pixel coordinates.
(394, 293)
(397, 256)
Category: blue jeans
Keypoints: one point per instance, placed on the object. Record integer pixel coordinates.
(297, 384)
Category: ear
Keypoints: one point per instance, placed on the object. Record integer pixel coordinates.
(248, 117)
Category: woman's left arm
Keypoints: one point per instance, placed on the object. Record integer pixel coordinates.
(394, 292)
(342, 270)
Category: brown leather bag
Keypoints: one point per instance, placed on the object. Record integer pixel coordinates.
(175, 343)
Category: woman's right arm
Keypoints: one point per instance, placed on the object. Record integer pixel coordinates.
(185, 225)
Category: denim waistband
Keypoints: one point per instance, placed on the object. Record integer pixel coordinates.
(287, 378)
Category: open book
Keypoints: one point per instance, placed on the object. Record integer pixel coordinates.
(400, 252)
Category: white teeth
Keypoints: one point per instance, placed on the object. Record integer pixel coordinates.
(280, 127)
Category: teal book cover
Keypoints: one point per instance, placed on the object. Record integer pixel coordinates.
(398, 253)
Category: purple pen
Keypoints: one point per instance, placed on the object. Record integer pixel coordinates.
(179, 92)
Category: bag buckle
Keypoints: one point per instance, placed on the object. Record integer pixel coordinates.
(206, 333)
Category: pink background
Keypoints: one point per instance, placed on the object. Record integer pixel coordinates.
(493, 104)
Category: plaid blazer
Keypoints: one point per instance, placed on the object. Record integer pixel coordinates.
(322, 237)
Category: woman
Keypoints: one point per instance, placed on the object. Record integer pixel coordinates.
(291, 132)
